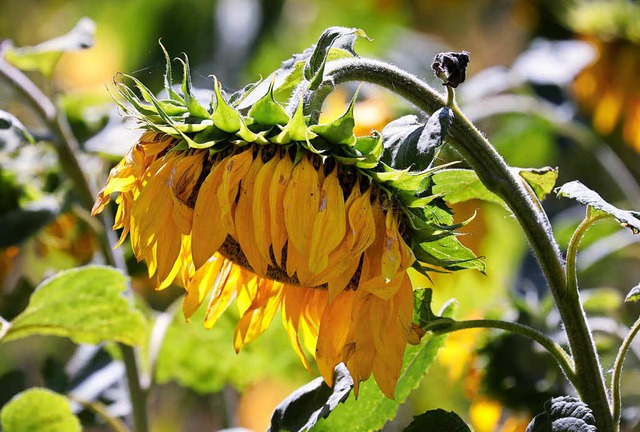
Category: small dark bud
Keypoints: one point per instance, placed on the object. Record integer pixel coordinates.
(451, 67)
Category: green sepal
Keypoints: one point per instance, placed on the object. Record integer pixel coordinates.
(225, 117)
(315, 65)
(168, 78)
(195, 109)
(295, 130)
(339, 130)
(267, 111)
(154, 105)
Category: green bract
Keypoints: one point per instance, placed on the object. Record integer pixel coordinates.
(253, 116)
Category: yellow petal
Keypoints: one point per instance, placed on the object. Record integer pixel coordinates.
(236, 167)
(293, 304)
(279, 183)
(329, 225)
(244, 220)
(391, 248)
(208, 234)
(260, 211)
(223, 292)
(301, 203)
(200, 284)
(334, 327)
(256, 319)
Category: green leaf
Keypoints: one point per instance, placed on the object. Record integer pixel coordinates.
(601, 300)
(43, 57)
(303, 408)
(12, 132)
(378, 408)
(448, 253)
(329, 37)
(17, 225)
(437, 420)
(634, 294)
(267, 111)
(584, 195)
(542, 180)
(38, 409)
(562, 414)
(84, 304)
(413, 145)
(460, 185)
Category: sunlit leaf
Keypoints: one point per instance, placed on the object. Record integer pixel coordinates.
(38, 409)
(315, 64)
(43, 57)
(542, 180)
(437, 420)
(84, 304)
(378, 408)
(414, 145)
(562, 414)
(634, 294)
(303, 408)
(422, 313)
(449, 253)
(584, 195)
(460, 185)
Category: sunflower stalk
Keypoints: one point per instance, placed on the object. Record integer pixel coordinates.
(496, 175)
(67, 148)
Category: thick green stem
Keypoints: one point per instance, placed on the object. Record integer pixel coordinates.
(560, 355)
(498, 178)
(68, 149)
(617, 372)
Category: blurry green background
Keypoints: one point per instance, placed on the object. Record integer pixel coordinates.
(495, 384)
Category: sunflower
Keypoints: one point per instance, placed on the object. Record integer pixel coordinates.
(247, 201)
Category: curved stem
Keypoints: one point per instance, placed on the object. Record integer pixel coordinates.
(498, 178)
(68, 149)
(560, 355)
(617, 372)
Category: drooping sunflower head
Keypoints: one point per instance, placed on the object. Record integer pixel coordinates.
(248, 200)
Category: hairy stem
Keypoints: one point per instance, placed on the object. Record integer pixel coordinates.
(498, 178)
(560, 355)
(68, 149)
(617, 372)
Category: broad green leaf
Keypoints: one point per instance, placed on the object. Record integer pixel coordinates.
(205, 361)
(459, 185)
(437, 420)
(84, 304)
(378, 408)
(584, 195)
(17, 225)
(449, 253)
(634, 294)
(562, 414)
(542, 180)
(315, 400)
(38, 410)
(43, 57)
(414, 145)
(329, 37)
(12, 132)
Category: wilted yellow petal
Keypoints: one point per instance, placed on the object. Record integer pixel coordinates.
(329, 225)
(235, 168)
(207, 233)
(391, 248)
(260, 210)
(334, 327)
(244, 222)
(279, 183)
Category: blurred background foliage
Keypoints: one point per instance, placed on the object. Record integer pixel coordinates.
(552, 83)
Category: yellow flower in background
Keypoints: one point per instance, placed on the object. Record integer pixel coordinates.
(252, 204)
